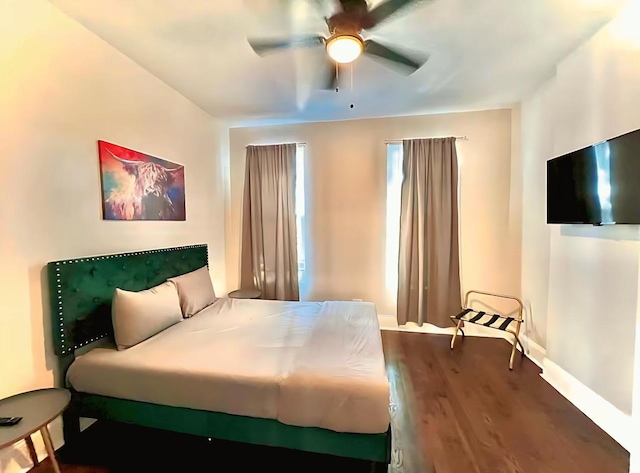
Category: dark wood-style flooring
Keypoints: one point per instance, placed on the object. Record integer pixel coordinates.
(473, 415)
(458, 411)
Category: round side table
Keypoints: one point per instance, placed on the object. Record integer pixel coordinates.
(37, 409)
(245, 294)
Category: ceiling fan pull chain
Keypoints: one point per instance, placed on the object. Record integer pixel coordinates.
(337, 76)
(351, 105)
(351, 78)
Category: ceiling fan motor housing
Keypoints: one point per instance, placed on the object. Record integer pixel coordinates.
(346, 23)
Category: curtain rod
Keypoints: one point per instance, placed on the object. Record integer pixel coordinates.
(459, 138)
(273, 144)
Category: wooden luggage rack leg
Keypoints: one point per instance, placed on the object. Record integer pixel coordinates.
(455, 334)
(516, 341)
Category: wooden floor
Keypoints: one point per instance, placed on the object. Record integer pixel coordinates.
(458, 411)
(473, 415)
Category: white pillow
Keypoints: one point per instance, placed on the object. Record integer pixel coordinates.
(137, 316)
(195, 291)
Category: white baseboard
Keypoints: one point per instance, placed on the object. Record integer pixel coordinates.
(534, 352)
(389, 322)
(604, 414)
(16, 459)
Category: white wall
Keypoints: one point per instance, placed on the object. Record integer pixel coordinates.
(515, 193)
(581, 282)
(61, 89)
(537, 143)
(346, 192)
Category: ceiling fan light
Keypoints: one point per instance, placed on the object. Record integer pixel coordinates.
(344, 48)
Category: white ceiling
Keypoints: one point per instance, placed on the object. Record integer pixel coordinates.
(483, 53)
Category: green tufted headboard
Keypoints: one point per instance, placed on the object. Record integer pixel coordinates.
(81, 289)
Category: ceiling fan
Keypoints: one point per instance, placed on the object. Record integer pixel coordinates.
(345, 42)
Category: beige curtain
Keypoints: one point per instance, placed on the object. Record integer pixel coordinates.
(428, 263)
(269, 259)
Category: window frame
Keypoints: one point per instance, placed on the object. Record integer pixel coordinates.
(300, 209)
(395, 176)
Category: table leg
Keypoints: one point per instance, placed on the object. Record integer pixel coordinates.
(32, 450)
(48, 444)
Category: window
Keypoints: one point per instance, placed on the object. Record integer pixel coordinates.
(394, 195)
(300, 221)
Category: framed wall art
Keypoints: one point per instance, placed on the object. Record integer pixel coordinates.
(137, 186)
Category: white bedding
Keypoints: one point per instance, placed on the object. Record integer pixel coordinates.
(302, 363)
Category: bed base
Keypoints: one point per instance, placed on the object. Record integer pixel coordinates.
(80, 293)
(218, 425)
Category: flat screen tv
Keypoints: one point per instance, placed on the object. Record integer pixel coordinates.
(598, 185)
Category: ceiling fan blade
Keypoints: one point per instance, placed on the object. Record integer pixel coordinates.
(388, 8)
(265, 46)
(328, 7)
(376, 49)
(330, 79)
(323, 8)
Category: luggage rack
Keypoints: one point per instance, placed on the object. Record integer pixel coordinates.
(495, 321)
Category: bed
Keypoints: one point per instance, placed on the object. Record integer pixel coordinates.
(241, 370)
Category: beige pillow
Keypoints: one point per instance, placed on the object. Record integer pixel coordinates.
(195, 291)
(137, 316)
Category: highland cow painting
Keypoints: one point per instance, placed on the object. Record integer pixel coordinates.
(136, 186)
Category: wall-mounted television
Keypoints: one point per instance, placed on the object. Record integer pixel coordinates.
(598, 185)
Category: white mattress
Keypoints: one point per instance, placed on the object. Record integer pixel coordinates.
(302, 363)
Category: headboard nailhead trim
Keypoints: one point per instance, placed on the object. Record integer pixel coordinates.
(66, 349)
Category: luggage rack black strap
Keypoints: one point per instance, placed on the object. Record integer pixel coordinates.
(497, 321)
(463, 313)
